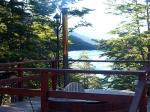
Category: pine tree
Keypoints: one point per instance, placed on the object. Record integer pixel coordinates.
(130, 41)
(87, 80)
(26, 23)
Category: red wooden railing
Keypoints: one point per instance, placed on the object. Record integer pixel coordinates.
(139, 101)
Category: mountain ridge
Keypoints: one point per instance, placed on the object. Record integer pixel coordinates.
(84, 38)
(79, 42)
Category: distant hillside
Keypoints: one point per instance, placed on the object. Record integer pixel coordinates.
(78, 43)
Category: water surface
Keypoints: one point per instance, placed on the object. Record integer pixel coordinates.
(93, 55)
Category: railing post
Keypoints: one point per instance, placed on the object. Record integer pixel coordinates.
(148, 68)
(54, 76)
(20, 84)
(44, 91)
(144, 99)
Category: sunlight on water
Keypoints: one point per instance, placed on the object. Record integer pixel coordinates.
(93, 55)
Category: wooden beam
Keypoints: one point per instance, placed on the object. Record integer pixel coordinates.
(54, 80)
(23, 62)
(106, 72)
(144, 98)
(112, 61)
(20, 91)
(54, 76)
(65, 43)
(44, 91)
(45, 61)
(20, 82)
(15, 80)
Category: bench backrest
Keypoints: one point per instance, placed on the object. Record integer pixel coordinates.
(74, 87)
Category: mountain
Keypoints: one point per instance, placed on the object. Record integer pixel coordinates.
(84, 38)
(80, 42)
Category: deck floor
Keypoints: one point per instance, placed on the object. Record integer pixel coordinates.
(26, 106)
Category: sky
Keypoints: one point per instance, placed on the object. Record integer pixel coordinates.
(102, 22)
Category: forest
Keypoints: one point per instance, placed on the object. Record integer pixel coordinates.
(27, 32)
(131, 38)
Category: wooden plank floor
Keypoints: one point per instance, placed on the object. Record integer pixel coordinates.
(25, 106)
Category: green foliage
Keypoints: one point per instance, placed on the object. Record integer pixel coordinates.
(27, 30)
(79, 13)
(87, 80)
(12, 29)
(119, 82)
(130, 41)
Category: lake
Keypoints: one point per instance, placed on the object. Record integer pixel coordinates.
(93, 55)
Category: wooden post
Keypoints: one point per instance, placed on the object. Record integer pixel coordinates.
(20, 84)
(54, 76)
(144, 99)
(65, 44)
(148, 58)
(44, 91)
(148, 69)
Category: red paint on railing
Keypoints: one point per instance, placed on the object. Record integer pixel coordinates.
(44, 91)
(20, 83)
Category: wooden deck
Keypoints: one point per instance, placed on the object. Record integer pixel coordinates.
(25, 106)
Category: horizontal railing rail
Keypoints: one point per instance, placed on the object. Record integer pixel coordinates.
(20, 91)
(19, 79)
(24, 62)
(112, 61)
(73, 60)
(122, 72)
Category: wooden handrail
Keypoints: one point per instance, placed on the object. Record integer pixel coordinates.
(109, 72)
(20, 91)
(44, 61)
(23, 62)
(111, 61)
(19, 79)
